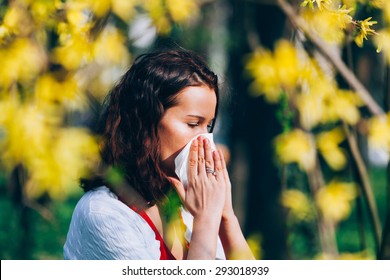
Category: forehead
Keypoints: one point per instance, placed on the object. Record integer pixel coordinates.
(200, 99)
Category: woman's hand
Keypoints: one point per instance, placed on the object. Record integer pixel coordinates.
(204, 198)
(205, 194)
(208, 198)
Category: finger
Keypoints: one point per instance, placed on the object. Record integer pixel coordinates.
(223, 164)
(209, 161)
(218, 164)
(201, 157)
(178, 187)
(193, 159)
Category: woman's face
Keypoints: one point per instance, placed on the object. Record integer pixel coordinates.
(193, 114)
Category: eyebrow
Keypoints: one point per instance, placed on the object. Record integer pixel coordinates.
(200, 117)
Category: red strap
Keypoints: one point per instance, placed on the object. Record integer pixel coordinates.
(164, 250)
(165, 253)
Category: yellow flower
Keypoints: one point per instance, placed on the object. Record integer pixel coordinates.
(110, 48)
(364, 28)
(312, 103)
(296, 147)
(329, 24)
(76, 15)
(17, 20)
(42, 11)
(261, 66)
(287, 64)
(379, 132)
(124, 8)
(50, 90)
(311, 109)
(4, 34)
(182, 10)
(27, 134)
(8, 109)
(320, 3)
(158, 13)
(343, 105)
(20, 61)
(75, 52)
(275, 73)
(73, 153)
(328, 144)
(99, 8)
(298, 204)
(53, 157)
(334, 200)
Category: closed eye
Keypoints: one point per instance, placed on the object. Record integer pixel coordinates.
(193, 124)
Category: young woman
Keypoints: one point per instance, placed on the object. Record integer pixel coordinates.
(164, 100)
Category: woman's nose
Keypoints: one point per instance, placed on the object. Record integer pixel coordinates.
(205, 129)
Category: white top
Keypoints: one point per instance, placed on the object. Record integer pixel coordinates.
(104, 228)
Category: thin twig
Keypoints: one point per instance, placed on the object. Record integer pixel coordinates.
(335, 59)
(366, 186)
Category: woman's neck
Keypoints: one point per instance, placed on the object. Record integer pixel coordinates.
(132, 198)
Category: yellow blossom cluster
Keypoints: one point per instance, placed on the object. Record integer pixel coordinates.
(329, 24)
(331, 21)
(328, 144)
(21, 60)
(379, 132)
(278, 72)
(301, 147)
(313, 92)
(123, 9)
(298, 147)
(334, 200)
(364, 29)
(55, 55)
(54, 156)
(298, 204)
(165, 12)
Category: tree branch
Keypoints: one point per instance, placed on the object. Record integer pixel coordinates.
(365, 185)
(337, 62)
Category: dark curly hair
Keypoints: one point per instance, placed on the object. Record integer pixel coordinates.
(133, 110)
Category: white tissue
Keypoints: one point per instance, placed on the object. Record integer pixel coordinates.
(181, 161)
